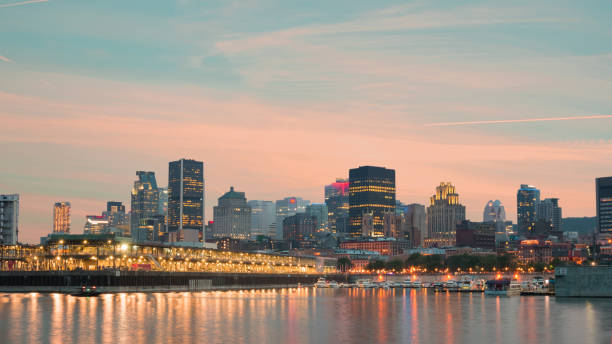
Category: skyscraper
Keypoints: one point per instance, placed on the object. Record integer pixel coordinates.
(299, 229)
(232, 217)
(494, 211)
(443, 215)
(285, 207)
(96, 224)
(115, 212)
(145, 198)
(337, 201)
(527, 199)
(371, 191)
(186, 197)
(603, 201)
(549, 210)
(9, 219)
(416, 224)
(162, 208)
(61, 217)
(263, 218)
(320, 211)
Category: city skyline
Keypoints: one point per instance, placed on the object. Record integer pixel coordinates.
(486, 95)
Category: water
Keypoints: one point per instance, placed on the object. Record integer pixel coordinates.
(304, 315)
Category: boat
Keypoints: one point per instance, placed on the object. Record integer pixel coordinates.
(406, 283)
(465, 283)
(503, 287)
(416, 284)
(396, 285)
(451, 284)
(333, 284)
(321, 283)
(87, 291)
(364, 283)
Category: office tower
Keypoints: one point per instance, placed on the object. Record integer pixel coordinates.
(232, 217)
(61, 217)
(186, 198)
(527, 199)
(115, 213)
(443, 215)
(145, 198)
(95, 224)
(494, 212)
(150, 229)
(416, 224)
(320, 211)
(162, 208)
(337, 201)
(9, 219)
(603, 202)
(394, 225)
(263, 218)
(299, 230)
(287, 207)
(549, 211)
(371, 191)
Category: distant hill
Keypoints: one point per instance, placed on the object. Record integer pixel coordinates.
(582, 225)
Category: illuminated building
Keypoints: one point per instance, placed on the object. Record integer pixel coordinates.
(61, 217)
(145, 198)
(535, 251)
(299, 230)
(443, 215)
(494, 211)
(603, 203)
(371, 191)
(9, 219)
(186, 198)
(95, 224)
(287, 207)
(549, 210)
(337, 201)
(263, 218)
(162, 205)
(527, 199)
(232, 217)
(394, 225)
(320, 211)
(115, 212)
(384, 246)
(150, 229)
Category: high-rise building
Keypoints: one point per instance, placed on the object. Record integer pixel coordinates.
(443, 215)
(145, 198)
(186, 197)
(95, 224)
(299, 229)
(603, 201)
(115, 212)
(263, 218)
(371, 191)
(549, 210)
(320, 211)
(494, 212)
(150, 229)
(416, 224)
(232, 217)
(337, 201)
(162, 208)
(61, 217)
(527, 199)
(285, 207)
(9, 219)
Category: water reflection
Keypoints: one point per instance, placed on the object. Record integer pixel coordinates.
(303, 315)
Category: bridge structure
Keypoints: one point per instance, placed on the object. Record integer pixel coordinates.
(107, 252)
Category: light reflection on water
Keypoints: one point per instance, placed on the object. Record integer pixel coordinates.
(302, 315)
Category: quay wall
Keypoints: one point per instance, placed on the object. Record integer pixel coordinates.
(143, 281)
(583, 281)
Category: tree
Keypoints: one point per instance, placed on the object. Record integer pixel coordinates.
(344, 264)
(395, 265)
(376, 265)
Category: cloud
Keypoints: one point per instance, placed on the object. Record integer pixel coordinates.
(503, 121)
(22, 3)
(6, 59)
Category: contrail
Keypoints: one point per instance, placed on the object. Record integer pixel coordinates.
(22, 3)
(448, 124)
(5, 59)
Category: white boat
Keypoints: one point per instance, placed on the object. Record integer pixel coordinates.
(321, 283)
(333, 284)
(381, 284)
(396, 285)
(465, 283)
(416, 284)
(406, 283)
(503, 287)
(364, 283)
(452, 284)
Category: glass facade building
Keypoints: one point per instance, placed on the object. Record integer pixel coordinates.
(61, 217)
(337, 201)
(186, 195)
(372, 192)
(527, 201)
(603, 201)
(145, 198)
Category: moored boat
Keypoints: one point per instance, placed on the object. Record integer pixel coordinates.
(503, 287)
(87, 291)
